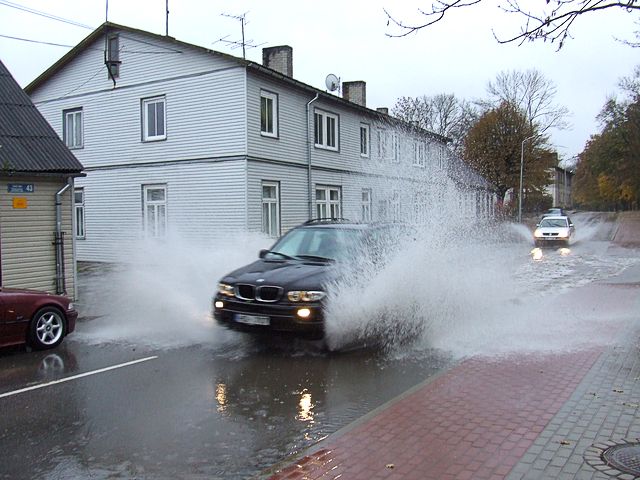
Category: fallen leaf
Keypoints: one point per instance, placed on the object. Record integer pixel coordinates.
(390, 465)
(565, 442)
(632, 405)
(615, 390)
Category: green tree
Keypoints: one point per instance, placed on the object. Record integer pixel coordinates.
(494, 148)
(608, 171)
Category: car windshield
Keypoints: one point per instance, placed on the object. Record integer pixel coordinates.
(318, 243)
(553, 222)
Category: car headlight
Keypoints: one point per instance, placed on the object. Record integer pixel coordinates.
(71, 306)
(563, 234)
(226, 289)
(305, 295)
(537, 233)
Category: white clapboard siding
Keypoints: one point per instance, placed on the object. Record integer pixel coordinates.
(205, 200)
(163, 59)
(27, 236)
(204, 118)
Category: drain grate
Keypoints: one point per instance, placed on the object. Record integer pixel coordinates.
(625, 458)
(616, 459)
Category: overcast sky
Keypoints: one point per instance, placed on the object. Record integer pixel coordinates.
(458, 55)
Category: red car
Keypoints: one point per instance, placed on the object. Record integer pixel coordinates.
(38, 319)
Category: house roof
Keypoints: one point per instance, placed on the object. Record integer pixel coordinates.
(28, 144)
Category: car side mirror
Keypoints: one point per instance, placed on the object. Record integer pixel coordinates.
(263, 253)
(571, 224)
(537, 225)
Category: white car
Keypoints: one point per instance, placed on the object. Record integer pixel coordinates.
(554, 230)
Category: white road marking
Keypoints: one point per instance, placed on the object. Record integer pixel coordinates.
(75, 377)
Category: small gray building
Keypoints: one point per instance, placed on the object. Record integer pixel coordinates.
(37, 174)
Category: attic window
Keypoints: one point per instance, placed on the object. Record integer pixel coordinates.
(113, 56)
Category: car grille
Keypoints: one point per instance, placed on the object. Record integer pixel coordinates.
(263, 293)
(550, 234)
(268, 294)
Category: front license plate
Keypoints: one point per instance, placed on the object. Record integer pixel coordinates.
(252, 319)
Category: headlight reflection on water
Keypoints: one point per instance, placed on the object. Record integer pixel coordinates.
(221, 397)
(305, 408)
(536, 254)
(565, 252)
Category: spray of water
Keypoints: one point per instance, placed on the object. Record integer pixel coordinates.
(161, 295)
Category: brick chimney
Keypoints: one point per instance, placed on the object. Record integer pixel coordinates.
(355, 92)
(279, 59)
(384, 110)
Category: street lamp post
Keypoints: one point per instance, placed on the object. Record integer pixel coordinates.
(521, 172)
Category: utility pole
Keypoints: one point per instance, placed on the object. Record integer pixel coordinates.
(167, 17)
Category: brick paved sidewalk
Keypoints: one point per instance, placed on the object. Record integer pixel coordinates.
(476, 421)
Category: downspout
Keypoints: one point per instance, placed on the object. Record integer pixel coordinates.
(309, 184)
(59, 241)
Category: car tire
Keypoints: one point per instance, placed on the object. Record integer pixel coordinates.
(47, 329)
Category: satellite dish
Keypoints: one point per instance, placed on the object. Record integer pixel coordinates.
(332, 82)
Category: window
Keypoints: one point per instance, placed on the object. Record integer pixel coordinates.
(366, 205)
(271, 208)
(113, 56)
(364, 140)
(153, 119)
(154, 211)
(72, 128)
(269, 114)
(327, 202)
(326, 130)
(78, 205)
(388, 146)
(419, 156)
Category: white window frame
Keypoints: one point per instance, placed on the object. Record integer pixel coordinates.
(326, 130)
(388, 146)
(328, 207)
(419, 154)
(73, 128)
(156, 225)
(146, 104)
(265, 99)
(365, 142)
(79, 213)
(271, 207)
(366, 205)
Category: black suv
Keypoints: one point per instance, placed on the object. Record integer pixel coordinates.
(285, 290)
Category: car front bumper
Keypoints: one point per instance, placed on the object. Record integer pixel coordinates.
(250, 316)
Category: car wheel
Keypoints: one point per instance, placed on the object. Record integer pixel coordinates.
(47, 328)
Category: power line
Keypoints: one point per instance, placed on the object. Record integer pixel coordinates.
(43, 14)
(95, 49)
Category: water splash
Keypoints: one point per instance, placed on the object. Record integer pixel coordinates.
(162, 295)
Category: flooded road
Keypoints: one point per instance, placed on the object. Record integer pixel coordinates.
(148, 387)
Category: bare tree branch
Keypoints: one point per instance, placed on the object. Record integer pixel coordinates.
(552, 22)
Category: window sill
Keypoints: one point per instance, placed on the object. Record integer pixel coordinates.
(269, 135)
(324, 147)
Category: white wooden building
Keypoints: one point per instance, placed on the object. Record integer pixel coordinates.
(179, 139)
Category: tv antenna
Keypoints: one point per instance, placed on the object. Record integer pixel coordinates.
(237, 44)
(332, 82)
